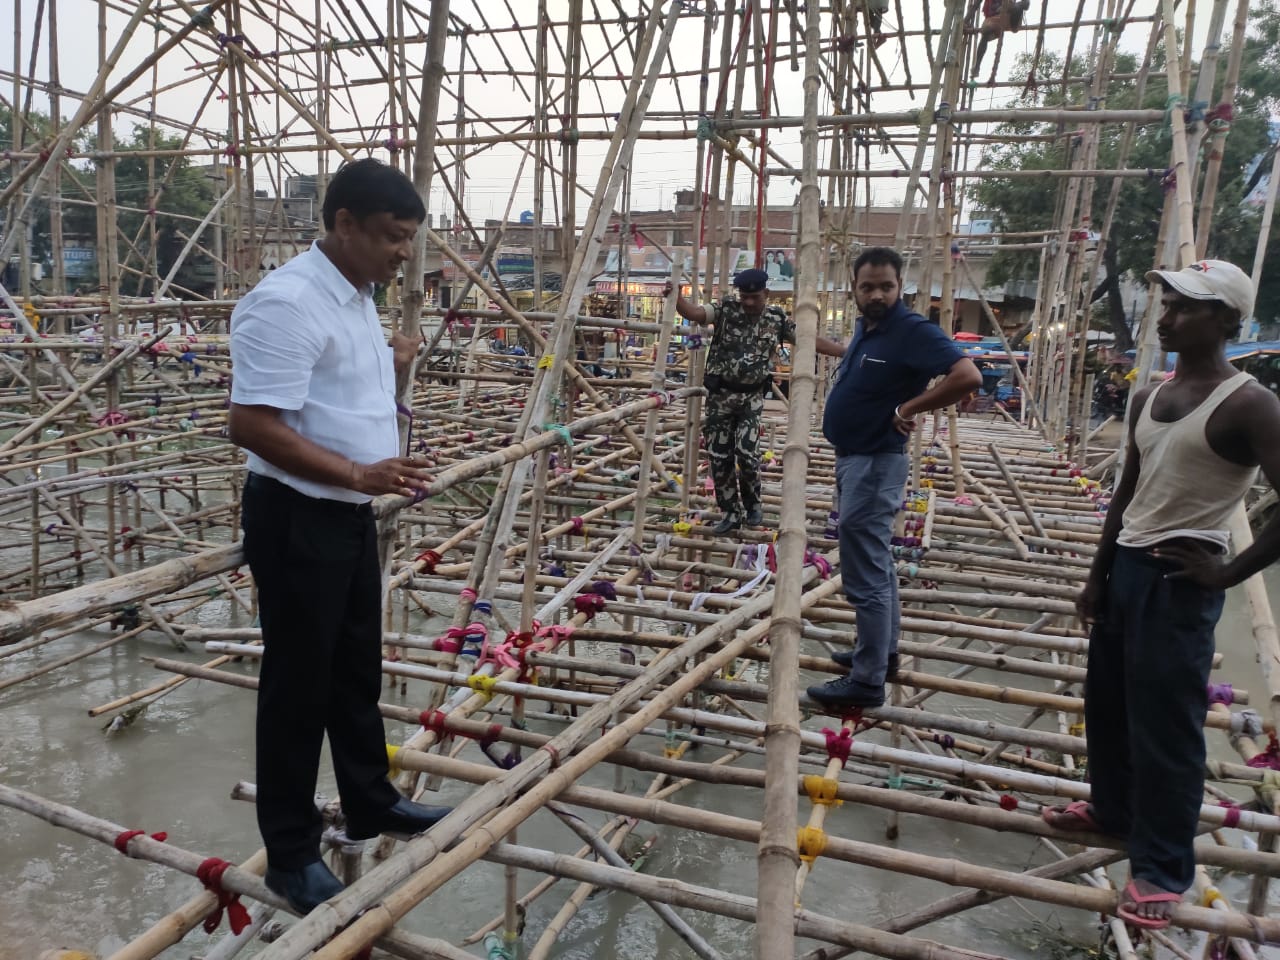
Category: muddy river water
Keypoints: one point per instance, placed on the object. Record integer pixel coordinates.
(174, 767)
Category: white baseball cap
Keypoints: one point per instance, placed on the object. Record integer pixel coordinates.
(1210, 280)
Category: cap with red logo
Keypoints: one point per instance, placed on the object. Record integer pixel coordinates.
(1210, 280)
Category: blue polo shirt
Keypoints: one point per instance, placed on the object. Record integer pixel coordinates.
(881, 369)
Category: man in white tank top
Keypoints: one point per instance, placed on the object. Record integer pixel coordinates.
(1156, 587)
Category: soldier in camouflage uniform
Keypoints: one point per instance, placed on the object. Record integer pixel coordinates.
(739, 372)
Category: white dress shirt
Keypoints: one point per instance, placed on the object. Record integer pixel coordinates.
(308, 343)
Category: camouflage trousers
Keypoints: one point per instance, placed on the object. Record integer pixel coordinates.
(732, 432)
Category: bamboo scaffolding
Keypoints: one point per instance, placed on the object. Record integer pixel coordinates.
(556, 478)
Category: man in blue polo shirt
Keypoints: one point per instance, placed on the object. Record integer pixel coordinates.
(879, 390)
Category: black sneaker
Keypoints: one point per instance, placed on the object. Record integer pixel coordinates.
(845, 659)
(847, 692)
(755, 517)
(727, 524)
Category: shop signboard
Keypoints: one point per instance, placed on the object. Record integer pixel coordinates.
(779, 262)
(650, 260)
(514, 260)
(634, 288)
(78, 261)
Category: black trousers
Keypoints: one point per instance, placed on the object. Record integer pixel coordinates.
(315, 565)
(1145, 701)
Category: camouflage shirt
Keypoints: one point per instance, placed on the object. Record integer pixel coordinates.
(742, 349)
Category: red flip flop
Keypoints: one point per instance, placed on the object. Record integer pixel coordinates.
(1147, 923)
(1078, 809)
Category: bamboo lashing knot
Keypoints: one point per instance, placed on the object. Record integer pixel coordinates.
(838, 744)
(122, 839)
(1211, 896)
(482, 685)
(682, 527)
(545, 361)
(810, 842)
(822, 790)
(1008, 802)
(589, 604)
(1220, 118)
(1221, 693)
(428, 559)
(818, 562)
(674, 747)
(1232, 816)
(565, 436)
(210, 874)
(706, 130)
(554, 752)
(1268, 758)
(451, 642)
(393, 769)
(467, 595)
(832, 529)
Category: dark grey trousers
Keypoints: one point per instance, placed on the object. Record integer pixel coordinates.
(1145, 703)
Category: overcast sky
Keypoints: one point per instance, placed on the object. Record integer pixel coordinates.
(191, 72)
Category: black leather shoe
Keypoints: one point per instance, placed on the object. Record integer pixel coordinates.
(729, 523)
(305, 888)
(847, 692)
(402, 820)
(755, 517)
(845, 659)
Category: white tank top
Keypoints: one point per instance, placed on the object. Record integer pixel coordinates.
(1184, 488)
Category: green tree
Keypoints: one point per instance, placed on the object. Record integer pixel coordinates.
(183, 195)
(1024, 205)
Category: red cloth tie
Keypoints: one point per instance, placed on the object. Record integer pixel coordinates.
(210, 874)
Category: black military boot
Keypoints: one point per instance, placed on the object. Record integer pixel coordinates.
(728, 523)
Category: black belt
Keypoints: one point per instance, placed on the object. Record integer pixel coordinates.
(724, 387)
(272, 487)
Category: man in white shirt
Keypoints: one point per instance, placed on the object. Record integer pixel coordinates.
(313, 403)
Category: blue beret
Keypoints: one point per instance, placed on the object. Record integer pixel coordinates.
(751, 281)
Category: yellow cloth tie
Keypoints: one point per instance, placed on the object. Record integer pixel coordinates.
(545, 361)
(392, 751)
(681, 527)
(822, 790)
(482, 685)
(1076, 729)
(1211, 896)
(810, 841)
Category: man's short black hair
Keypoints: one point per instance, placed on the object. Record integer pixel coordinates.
(369, 186)
(879, 257)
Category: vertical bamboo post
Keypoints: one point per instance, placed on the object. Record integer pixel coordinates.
(1264, 233)
(952, 16)
(778, 858)
(1184, 207)
(1218, 136)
